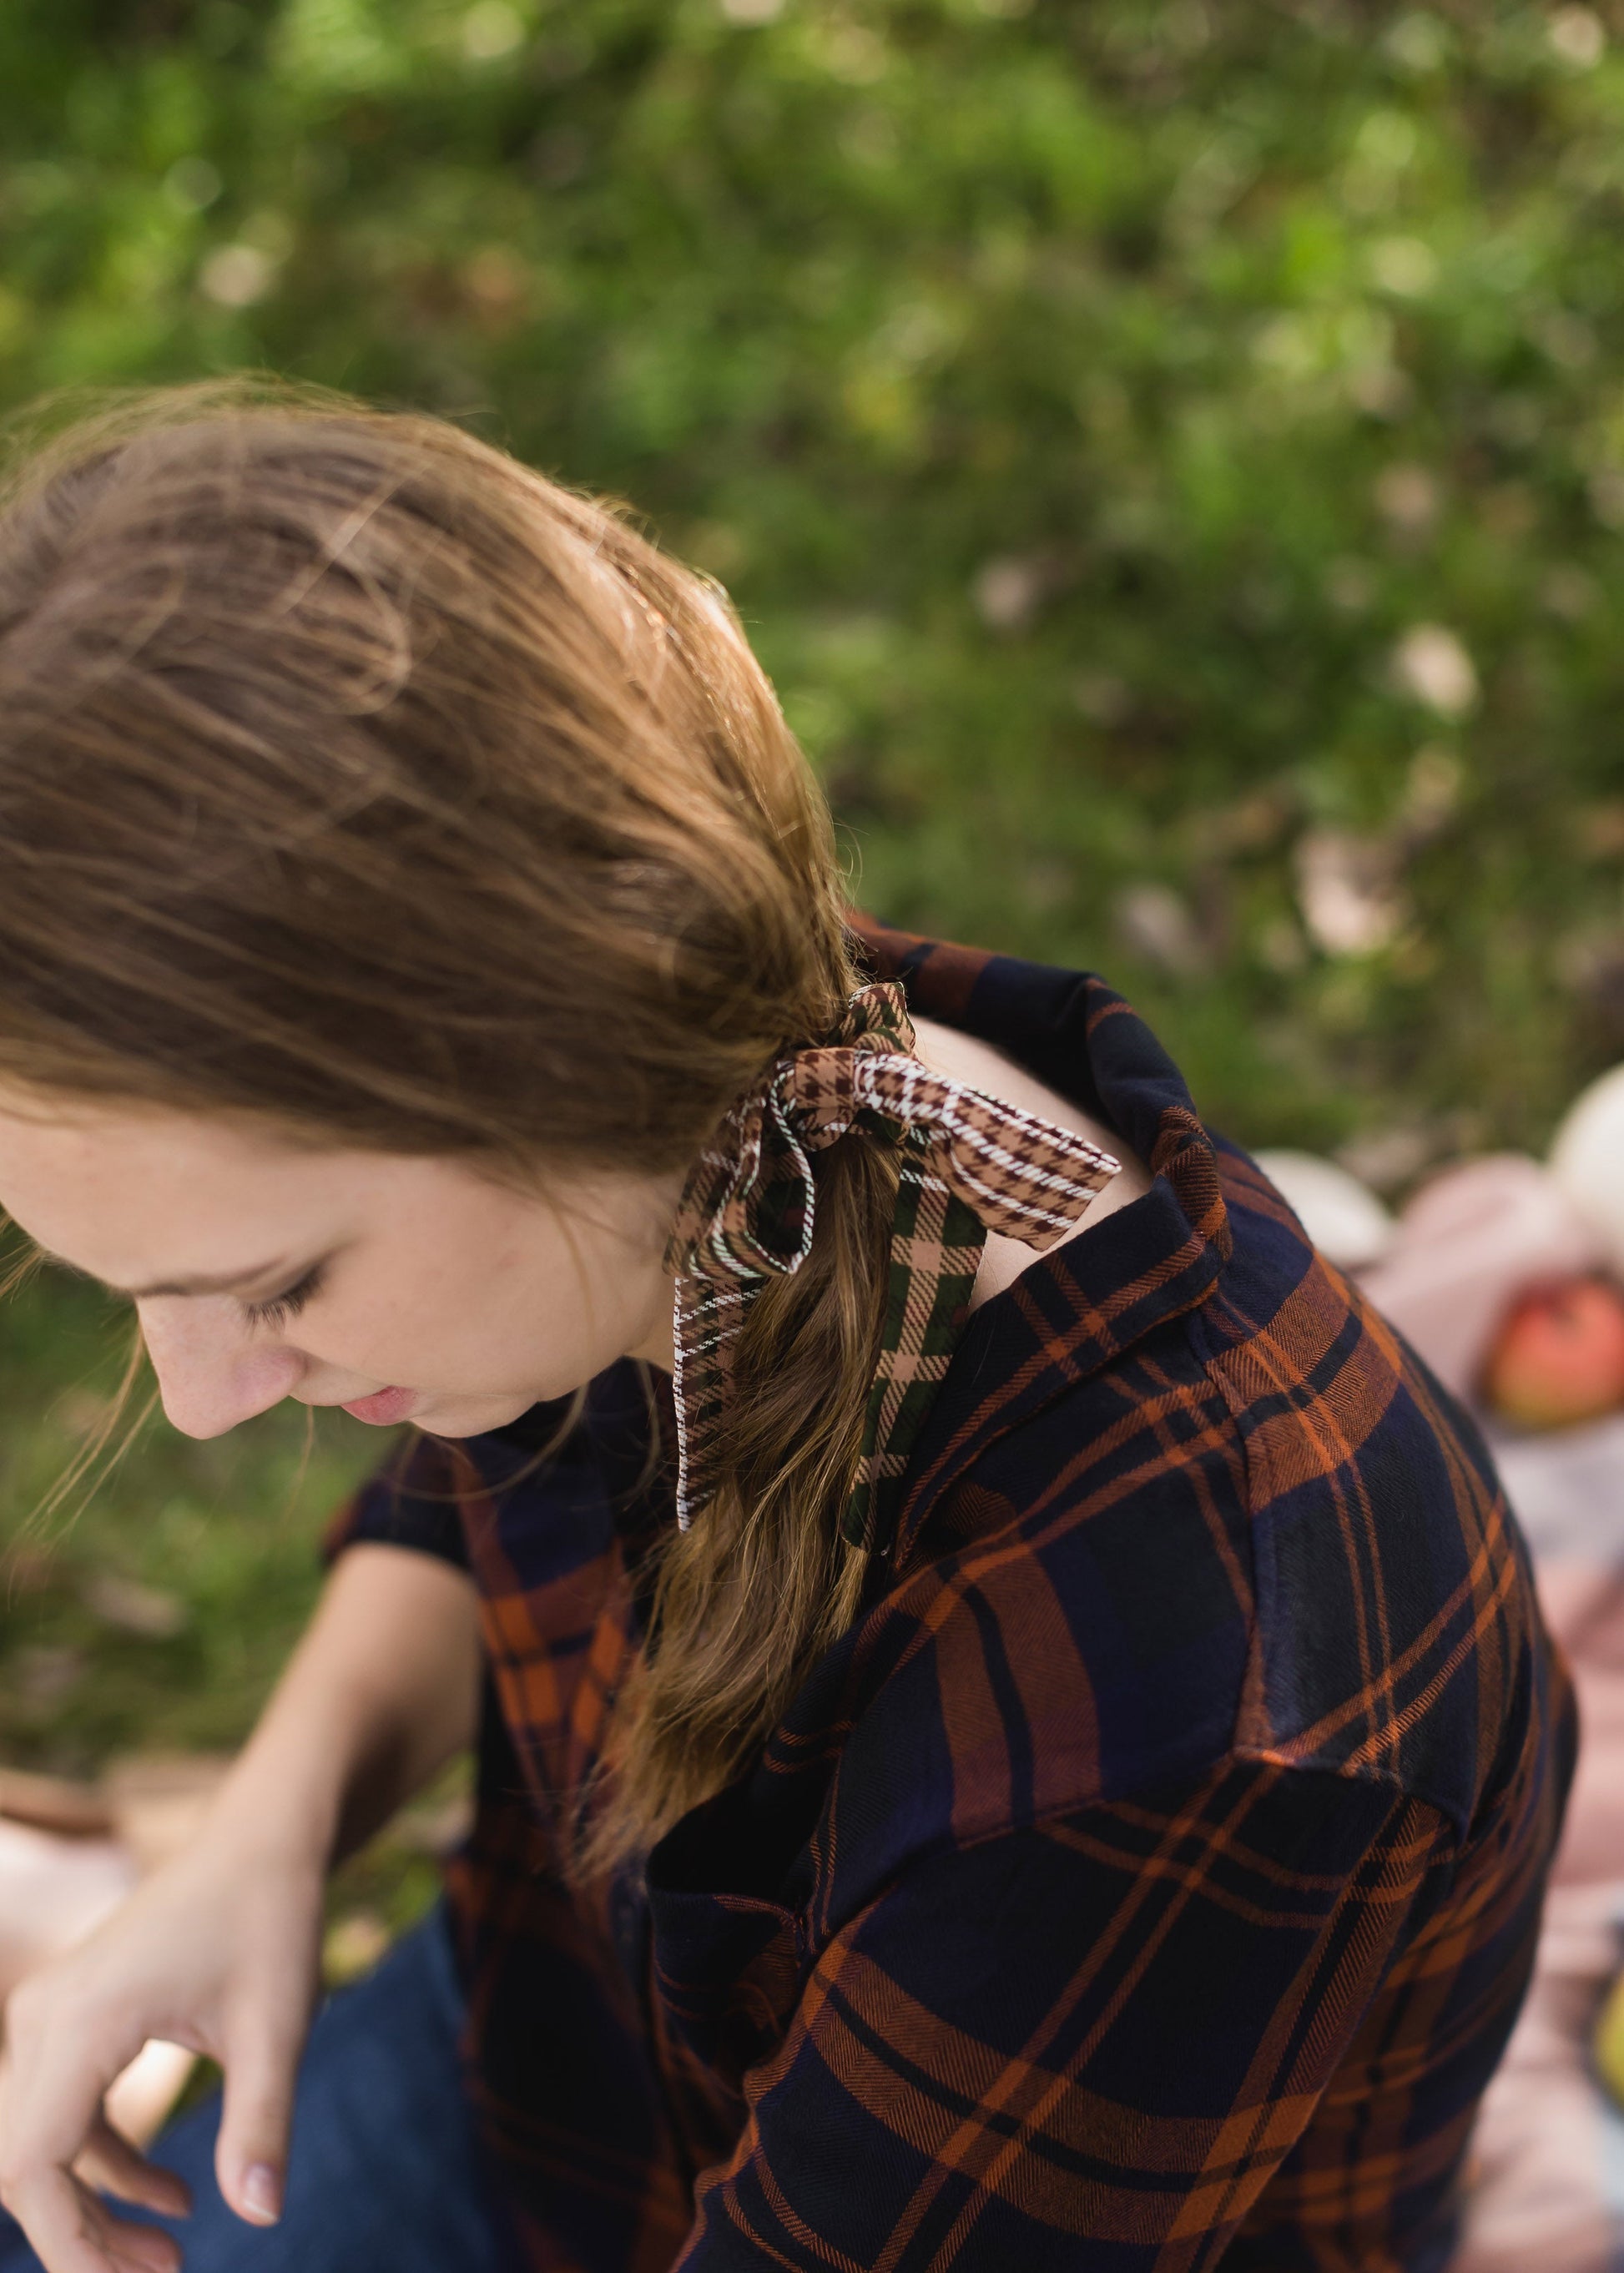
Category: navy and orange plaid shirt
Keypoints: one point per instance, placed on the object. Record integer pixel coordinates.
(1149, 1878)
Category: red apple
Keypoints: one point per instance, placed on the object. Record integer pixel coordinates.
(1558, 1355)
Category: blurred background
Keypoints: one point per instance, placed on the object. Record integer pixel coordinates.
(1169, 455)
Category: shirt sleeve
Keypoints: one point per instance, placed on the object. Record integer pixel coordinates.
(411, 1499)
(1091, 2045)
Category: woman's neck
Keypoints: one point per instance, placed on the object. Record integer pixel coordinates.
(964, 1057)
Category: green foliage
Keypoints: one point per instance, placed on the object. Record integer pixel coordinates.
(152, 1614)
(1169, 454)
(1212, 349)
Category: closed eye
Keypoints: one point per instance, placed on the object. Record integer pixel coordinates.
(280, 1308)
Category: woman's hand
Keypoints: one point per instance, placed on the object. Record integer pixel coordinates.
(217, 1951)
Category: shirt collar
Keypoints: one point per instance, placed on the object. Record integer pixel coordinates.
(1073, 1311)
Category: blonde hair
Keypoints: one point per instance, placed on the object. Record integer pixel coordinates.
(354, 775)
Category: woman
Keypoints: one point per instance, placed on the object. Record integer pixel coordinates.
(1013, 1726)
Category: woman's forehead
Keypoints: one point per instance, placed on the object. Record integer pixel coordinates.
(132, 1194)
(76, 1136)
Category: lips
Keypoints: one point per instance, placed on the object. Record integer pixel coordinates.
(384, 1406)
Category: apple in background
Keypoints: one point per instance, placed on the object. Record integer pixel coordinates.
(1559, 1354)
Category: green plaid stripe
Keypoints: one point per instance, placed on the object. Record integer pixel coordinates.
(970, 1164)
(936, 1247)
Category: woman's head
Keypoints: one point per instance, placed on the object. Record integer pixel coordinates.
(406, 862)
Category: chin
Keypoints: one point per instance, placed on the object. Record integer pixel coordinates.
(470, 1416)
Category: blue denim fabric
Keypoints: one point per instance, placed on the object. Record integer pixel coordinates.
(385, 2174)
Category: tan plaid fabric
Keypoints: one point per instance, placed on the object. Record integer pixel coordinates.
(970, 1165)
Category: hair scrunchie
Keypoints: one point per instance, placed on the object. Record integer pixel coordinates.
(970, 1164)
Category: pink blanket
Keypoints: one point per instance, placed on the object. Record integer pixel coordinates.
(1547, 2178)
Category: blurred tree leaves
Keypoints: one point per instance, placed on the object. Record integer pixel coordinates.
(1089, 404)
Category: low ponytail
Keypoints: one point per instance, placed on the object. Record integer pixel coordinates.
(763, 1581)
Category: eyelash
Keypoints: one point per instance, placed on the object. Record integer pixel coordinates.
(280, 1308)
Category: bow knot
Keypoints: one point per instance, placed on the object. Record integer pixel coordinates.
(969, 1163)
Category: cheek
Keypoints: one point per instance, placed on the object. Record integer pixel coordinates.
(470, 1289)
(499, 1316)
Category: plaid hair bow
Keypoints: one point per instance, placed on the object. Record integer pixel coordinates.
(969, 1165)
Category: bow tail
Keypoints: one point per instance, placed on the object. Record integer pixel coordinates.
(935, 1250)
(709, 1315)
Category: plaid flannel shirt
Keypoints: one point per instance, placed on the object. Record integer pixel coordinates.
(1151, 1875)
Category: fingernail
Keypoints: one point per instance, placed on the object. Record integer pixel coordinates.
(151, 2253)
(262, 2194)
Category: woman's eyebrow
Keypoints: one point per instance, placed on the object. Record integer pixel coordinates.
(224, 1282)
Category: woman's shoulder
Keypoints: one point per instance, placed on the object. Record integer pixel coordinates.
(1398, 1630)
(1263, 1529)
(982, 1065)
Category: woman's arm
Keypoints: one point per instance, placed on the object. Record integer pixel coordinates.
(381, 1690)
(218, 1949)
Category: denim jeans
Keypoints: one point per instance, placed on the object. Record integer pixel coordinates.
(385, 2174)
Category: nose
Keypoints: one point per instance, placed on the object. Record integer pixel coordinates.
(212, 1373)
